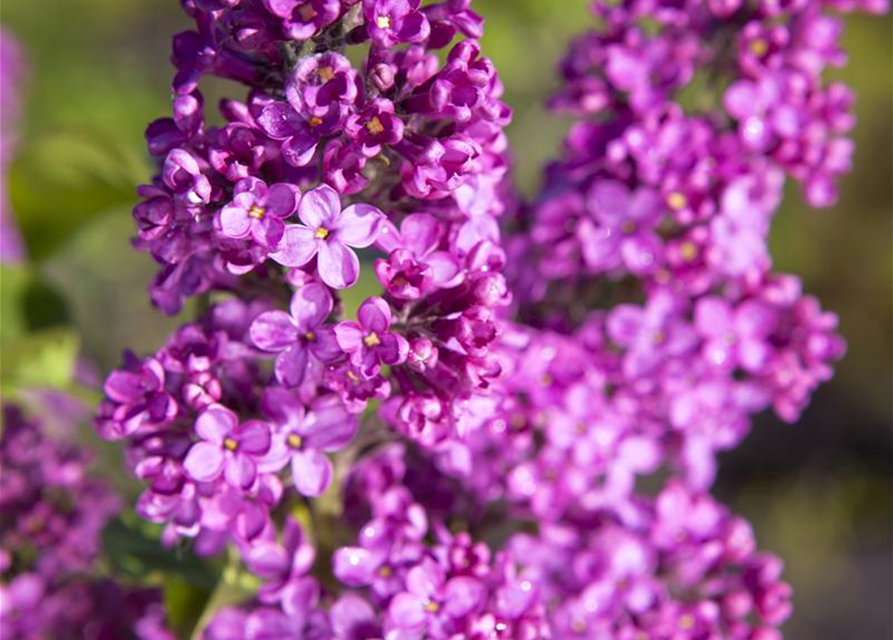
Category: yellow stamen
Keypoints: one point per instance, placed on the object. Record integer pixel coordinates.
(687, 621)
(677, 201)
(315, 122)
(431, 606)
(688, 250)
(372, 340)
(325, 73)
(374, 126)
(383, 22)
(310, 336)
(256, 212)
(295, 441)
(322, 233)
(385, 571)
(352, 376)
(628, 227)
(759, 47)
(658, 337)
(230, 444)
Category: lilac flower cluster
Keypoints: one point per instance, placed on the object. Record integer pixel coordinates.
(460, 456)
(52, 516)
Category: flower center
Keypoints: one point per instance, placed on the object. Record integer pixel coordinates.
(310, 336)
(256, 212)
(687, 621)
(307, 12)
(759, 47)
(688, 250)
(372, 340)
(322, 233)
(677, 200)
(374, 126)
(431, 606)
(383, 22)
(326, 73)
(658, 337)
(315, 122)
(230, 444)
(385, 571)
(294, 441)
(628, 227)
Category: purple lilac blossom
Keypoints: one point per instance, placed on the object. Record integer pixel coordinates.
(523, 365)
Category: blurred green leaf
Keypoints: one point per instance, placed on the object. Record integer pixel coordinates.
(41, 359)
(132, 552)
(14, 281)
(183, 603)
(61, 180)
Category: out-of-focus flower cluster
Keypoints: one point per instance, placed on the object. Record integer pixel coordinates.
(460, 457)
(53, 514)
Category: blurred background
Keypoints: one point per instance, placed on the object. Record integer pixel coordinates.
(818, 493)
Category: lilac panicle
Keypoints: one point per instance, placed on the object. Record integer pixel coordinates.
(519, 366)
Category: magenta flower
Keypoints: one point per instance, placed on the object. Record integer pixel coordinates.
(227, 447)
(329, 232)
(299, 334)
(735, 336)
(302, 438)
(258, 211)
(429, 596)
(392, 21)
(368, 341)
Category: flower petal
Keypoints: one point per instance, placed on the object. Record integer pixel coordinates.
(240, 471)
(215, 423)
(253, 437)
(234, 222)
(407, 611)
(359, 225)
(320, 207)
(338, 265)
(204, 461)
(349, 336)
(273, 331)
(310, 306)
(329, 426)
(299, 245)
(375, 315)
(291, 365)
(312, 472)
(282, 200)
(355, 566)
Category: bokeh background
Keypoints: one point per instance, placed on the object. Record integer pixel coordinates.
(818, 493)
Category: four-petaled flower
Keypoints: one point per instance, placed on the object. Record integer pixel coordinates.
(369, 342)
(227, 447)
(429, 596)
(329, 232)
(298, 334)
(258, 211)
(303, 436)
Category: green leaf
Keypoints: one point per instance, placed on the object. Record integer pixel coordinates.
(63, 179)
(133, 550)
(14, 281)
(42, 359)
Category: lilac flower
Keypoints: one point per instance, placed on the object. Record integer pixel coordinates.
(330, 232)
(302, 19)
(227, 447)
(138, 399)
(622, 229)
(302, 437)
(258, 211)
(368, 341)
(323, 86)
(284, 568)
(430, 599)
(735, 337)
(415, 266)
(393, 21)
(299, 334)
